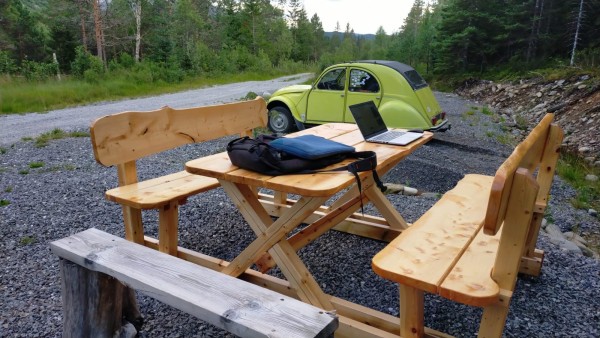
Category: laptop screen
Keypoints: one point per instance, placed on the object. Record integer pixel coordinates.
(368, 119)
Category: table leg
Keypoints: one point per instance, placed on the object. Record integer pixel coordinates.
(385, 207)
(411, 312)
(271, 238)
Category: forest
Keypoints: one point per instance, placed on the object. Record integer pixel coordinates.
(171, 41)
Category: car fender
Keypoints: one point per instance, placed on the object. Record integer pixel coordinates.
(285, 102)
(398, 113)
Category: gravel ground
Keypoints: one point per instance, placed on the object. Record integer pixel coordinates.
(65, 196)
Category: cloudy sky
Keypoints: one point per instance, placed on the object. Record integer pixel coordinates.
(364, 16)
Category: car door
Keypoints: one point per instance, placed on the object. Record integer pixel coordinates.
(326, 100)
(362, 86)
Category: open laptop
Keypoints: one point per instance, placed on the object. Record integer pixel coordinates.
(373, 128)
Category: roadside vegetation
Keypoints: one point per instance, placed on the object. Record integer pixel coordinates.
(574, 170)
(60, 53)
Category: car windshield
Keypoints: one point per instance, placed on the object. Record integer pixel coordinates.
(415, 80)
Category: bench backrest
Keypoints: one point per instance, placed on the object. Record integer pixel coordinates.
(538, 153)
(128, 136)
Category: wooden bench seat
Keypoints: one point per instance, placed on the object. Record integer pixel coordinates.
(470, 246)
(158, 192)
(90, 296)
(122, 139)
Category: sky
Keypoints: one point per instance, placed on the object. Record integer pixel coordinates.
(364, 16)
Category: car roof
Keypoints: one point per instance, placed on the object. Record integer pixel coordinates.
(408, 72)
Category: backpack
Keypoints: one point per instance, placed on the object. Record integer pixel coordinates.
(306, 154)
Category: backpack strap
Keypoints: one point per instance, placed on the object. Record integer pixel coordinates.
(367, 160)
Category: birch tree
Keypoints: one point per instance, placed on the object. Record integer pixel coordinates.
(577, 27)
(136, 8)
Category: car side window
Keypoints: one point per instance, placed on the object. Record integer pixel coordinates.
(363, 81)
(333, 80)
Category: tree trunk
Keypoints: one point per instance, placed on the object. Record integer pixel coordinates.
(576, 38)
(82, 22)
(136, 7)
(99, 32)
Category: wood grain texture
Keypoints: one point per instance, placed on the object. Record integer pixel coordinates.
(129, 136)
(244, 309)
(422, 255)
(313, 185)
(527, 154)
(157, 192)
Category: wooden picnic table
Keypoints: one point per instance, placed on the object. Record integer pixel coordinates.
(313, 190)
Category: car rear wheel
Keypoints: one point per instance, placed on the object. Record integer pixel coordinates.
(281, 120)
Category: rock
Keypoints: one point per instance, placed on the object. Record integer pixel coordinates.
(593, 212)
(583, 149)
(573, 237)
(591, 177)
(585, 250)
(582, 87)
(554, 231)
(538, 94)
(544, 223)
(590, 160)
(597, 164)
(565, 245)
(127, 331)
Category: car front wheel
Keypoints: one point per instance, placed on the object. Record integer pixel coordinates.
(281, 120)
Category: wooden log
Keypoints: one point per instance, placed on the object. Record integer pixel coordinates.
(92, 302)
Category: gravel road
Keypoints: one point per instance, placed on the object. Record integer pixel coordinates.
(51, 192)
(14, 127)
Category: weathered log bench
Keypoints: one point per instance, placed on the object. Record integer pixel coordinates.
(122, 139)
(95, 264)
(471, 245)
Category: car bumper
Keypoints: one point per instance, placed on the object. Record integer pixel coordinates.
(445, 125)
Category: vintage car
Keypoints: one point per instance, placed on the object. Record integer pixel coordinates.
(400, 93)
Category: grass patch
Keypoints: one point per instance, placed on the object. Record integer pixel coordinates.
(27, 240)
(574, 170)
(57, 134)
(34, 165)
(3, 150)
(4, 203)
(8, 189)
(20, 97)
(486, 111)
(24, 172)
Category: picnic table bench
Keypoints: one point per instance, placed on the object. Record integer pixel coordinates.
(95, 265)
(122, 139)
(470, 246)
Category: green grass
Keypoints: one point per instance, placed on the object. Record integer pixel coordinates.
(485, 110)
(20, 96)
(55, 134)
(8, 189)
(4, 203)
(34, 165)
(27, 240)
(24, 172)
(573, 169)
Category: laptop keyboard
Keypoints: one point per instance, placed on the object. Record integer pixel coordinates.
(388, 136)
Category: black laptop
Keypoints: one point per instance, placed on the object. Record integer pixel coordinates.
(373, 128)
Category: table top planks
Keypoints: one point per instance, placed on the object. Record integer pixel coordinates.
(314, 185)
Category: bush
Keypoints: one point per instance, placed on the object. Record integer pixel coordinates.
(7, 64)
(38, 71)
(85, 61)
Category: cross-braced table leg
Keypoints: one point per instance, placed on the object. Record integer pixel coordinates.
(271, 237)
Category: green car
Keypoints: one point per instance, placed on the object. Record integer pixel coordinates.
(401, 94)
